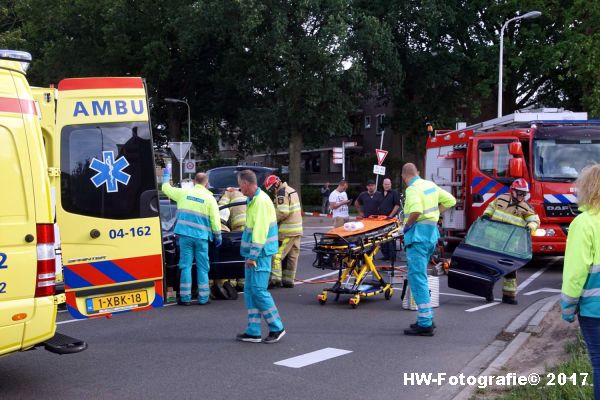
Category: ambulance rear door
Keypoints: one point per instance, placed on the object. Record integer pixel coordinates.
(107, 201)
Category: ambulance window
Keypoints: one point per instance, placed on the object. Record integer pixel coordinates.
(105, 168)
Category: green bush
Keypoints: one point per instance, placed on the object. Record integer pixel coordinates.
(311, 196)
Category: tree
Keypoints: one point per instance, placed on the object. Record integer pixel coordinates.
(302, 69)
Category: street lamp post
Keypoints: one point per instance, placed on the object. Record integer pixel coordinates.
(171, 100)
(530, 14)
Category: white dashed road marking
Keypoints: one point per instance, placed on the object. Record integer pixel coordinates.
(312, 357)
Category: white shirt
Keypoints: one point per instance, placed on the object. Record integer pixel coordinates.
(337, 197)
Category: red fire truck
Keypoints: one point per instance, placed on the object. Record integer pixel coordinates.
(548, 147)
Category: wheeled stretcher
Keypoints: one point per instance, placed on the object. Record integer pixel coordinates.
(352, 253)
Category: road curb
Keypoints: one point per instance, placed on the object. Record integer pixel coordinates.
(493, 358)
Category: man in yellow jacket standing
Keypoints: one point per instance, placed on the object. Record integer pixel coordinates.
(198, 221)
(259, 243)
(289, 218)
(425, 201)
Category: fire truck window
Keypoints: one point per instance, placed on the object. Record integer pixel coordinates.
(105, 168)
(495, 163)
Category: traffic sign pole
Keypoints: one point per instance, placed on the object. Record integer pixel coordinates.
(380, 147)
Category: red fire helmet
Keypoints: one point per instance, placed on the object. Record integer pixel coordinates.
(270, 181)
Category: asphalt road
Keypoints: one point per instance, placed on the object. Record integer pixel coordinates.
(190, 352)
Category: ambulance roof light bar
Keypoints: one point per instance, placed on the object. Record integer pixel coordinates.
(23, 57)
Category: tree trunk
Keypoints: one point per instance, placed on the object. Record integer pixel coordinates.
(295, 148)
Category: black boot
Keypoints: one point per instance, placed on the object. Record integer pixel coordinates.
(509, 300)
(419, 331)
(415, 325)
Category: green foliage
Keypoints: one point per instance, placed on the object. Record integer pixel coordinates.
(311, 196)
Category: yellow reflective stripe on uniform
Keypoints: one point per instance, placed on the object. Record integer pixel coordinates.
(510, 218)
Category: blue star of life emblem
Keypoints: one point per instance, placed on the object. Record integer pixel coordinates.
(110, 171)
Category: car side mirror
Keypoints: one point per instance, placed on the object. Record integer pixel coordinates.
(149, 204)
(515, 167)
(486, 147)
(515, 149)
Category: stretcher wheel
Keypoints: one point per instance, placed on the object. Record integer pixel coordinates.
(354, 301)
(388, 293)
(322, 298)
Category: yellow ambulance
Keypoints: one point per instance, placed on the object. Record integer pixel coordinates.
(81, 204)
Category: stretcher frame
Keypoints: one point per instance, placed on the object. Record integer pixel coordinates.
(354, 260)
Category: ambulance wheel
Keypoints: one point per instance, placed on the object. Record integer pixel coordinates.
(388, 293)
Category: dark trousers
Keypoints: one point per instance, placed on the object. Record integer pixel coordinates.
(590, 330)
(388, 250)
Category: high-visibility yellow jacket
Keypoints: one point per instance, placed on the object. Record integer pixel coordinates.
(197, 211)
(260, 234)
(424, 197)
(581, 272)
(237, 214)
(504, 209)
(289, 211)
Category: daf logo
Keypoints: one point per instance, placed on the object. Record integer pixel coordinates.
(558, 208)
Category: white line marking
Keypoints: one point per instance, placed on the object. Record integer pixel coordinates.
(531, 278)
(312, 358)
(519, 288)
(482, 307)
(549, 290)
(461, 295)
(317, 277)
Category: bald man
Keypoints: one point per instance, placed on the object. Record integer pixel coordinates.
(424, 203)
(198, 221)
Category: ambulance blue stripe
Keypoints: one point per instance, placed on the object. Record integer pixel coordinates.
(487, 187)
(562, 198)
(113, 271)
(75, 313)
(73, 280)
(503, 190)
(476, 181)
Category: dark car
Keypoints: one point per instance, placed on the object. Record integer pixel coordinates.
(225, 261)
(490, 250)
(220, 178)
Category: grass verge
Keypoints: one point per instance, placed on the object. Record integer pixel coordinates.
(566, 381)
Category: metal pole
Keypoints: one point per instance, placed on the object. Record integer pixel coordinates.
(500, 68)
(343, 160)
(180, 166)
(380, 148)
(189, 128)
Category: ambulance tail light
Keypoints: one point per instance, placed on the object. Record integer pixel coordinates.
(45, 284)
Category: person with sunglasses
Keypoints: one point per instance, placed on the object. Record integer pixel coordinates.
(513, 208)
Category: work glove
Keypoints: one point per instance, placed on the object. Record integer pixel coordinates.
(218, 241)
(532, 226)
(407, 228)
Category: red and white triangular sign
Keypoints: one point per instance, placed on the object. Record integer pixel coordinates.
(381, 154)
